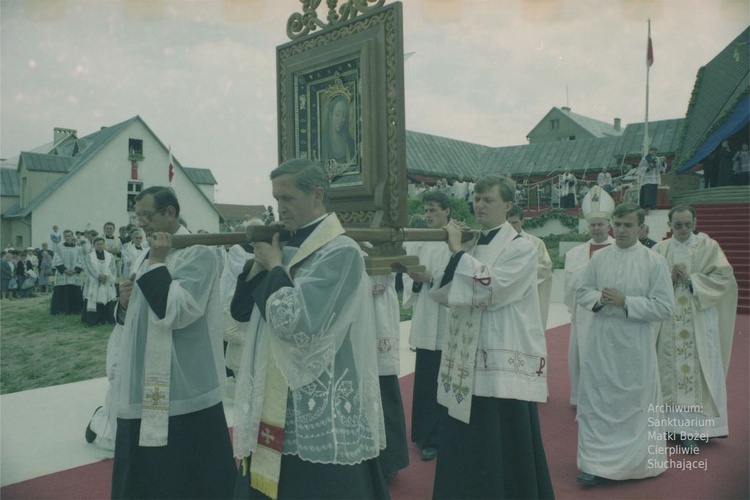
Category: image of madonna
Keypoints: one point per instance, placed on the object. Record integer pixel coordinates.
(338, 143)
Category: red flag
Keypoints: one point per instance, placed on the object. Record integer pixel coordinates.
(650, 53)
(171, 169)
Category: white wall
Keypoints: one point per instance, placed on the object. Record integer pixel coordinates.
(97, 193)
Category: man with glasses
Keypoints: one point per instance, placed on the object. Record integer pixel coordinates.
(694, 345)
(172, 439)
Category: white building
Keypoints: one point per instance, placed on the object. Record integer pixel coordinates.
(81, 183)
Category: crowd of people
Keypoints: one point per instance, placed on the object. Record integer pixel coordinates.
(639, 184)
(725, 167)
(81, 270)
(567, 189)
(307, 345)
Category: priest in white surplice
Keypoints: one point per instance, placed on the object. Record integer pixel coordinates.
(544, 263)
(597, 208)
(628, 288)
(172, 437)
(695, 344)
(308, 416)
(395, 456)
(429, 322)
(494, 364)
(99, 293)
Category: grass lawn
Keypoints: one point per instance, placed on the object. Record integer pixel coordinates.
(41, 350)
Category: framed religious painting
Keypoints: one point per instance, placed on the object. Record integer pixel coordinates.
(341, 104)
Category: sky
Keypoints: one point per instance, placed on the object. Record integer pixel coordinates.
(202, 73)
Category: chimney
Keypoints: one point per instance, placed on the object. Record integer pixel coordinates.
(566, 109)
(617, 124)
(62, 133)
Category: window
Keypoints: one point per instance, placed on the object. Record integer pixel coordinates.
(135, 148)
(133, 189)
(555, 124)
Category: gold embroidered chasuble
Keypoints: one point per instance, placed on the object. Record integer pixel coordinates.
(699, 335)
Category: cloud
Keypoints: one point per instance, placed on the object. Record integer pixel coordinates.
(203, 75)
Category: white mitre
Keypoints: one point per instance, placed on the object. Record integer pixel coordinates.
(597, 204)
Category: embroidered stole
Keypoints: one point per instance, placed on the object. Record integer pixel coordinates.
(687, 389)
(265, 468)
(157, 366)
(456, 378)
(457, 364)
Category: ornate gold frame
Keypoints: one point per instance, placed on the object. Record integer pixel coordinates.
(362, 59)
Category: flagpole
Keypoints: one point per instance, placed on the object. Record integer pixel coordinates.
(649, 62)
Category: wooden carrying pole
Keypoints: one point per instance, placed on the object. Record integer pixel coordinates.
(384, 256)
(265, 234)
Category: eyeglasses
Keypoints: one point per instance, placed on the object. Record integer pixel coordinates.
(146, 216)
(683, 225)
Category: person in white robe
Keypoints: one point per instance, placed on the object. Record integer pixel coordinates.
(627, 286)
(494, 362)
(694, 345)
(460, 188)
(67, 297)
(99, 292)
(395, 456)
(429, 323)
(544, 263)
(597, 208)
(604, 180)
(132, 251)
(172, 436)
(236, 258)
(568, 182)
(649, 177)
(113, 245)
(102, 429)
(308, 416)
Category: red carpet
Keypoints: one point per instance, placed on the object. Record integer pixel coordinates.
(727, 460)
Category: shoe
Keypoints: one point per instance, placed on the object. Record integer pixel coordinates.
(588, 479)
(91, 435)
(429, 454)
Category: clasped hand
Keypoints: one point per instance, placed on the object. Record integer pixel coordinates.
(680, 274)
(612, 297)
